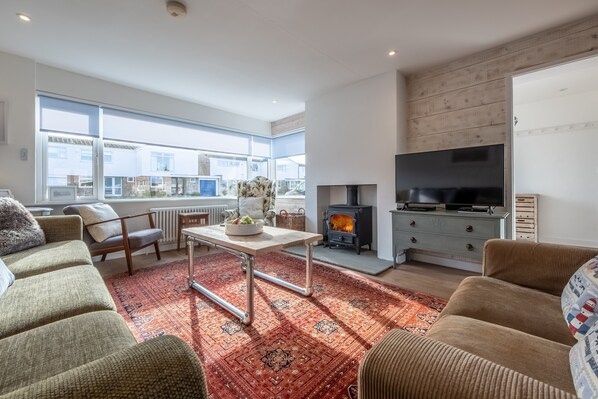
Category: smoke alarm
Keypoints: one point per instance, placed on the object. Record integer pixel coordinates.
(176, 9)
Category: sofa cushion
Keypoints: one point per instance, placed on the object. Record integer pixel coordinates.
(536, 357)
(48, 257)
(499, 302)
(18, 228)
(583, 359)
(51, 349)
(579, 299)
(6, 278)
(42, 299)
(98, 213)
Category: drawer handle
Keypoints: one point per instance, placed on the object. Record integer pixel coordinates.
(469, 228)
(412, 224)
(413, 240)
(469, 247)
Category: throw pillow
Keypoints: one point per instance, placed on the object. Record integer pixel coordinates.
(252, 206)
(583, 358)
(98, 213)
(18, 228)
(580, 297)
(6, 278)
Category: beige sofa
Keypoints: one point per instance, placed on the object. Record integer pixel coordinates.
(501, 335)
(60, 336)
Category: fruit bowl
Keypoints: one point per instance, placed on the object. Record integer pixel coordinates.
(233, 229)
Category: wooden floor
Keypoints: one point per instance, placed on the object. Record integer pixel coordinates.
(421, 277)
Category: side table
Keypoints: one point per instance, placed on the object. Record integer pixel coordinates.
(191, 219)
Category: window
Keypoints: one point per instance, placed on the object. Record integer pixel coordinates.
(86, 156)
(162, 162)
(70, 131)
(56, 152)
(85, 181)
(144, 156)
(289, 154)
(157, 182)
(68, 168)
(113, 187)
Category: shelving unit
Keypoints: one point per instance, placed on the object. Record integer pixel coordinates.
(526, 217)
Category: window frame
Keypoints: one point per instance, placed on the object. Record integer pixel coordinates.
(98, 150)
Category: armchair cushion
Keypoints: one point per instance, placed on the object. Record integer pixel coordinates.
(137, 239)
(252, 206)
(18, 228)
(95, 213)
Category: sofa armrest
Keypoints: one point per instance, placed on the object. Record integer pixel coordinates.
(163, 367)
(545, 267)
(61, 228)
(405, 365)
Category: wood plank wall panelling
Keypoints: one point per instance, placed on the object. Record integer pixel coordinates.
(462, 103)
(289, 124)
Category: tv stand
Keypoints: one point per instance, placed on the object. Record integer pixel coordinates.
(449, 233)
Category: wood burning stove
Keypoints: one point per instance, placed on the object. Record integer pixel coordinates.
(348, 225)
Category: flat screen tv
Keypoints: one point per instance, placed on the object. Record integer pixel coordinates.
(463, 177)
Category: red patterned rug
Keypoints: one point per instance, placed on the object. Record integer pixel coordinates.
(297, 347)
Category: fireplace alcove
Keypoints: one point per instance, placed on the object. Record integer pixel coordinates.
(348, 224)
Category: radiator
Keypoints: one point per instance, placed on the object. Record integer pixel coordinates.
(167, 219)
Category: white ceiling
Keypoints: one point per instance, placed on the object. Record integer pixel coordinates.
(558, 81)
(239, 55)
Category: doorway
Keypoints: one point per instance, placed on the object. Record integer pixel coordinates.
(555, 143)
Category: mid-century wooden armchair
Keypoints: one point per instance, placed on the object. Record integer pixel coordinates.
(128, 241)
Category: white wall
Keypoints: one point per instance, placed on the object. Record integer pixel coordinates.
(21, 77)
(351, 137)
(556, 158)
(17, 88)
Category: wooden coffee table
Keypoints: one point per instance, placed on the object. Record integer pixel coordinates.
(247, 248)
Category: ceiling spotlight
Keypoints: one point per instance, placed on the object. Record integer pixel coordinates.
(391, 53)
(274, 101)
(176, 9)
(23, 17)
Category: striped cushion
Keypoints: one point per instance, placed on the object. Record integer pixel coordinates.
(579, 299)
(583, 359)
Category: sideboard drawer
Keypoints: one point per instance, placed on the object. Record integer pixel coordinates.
(463, 226)
(464, 246)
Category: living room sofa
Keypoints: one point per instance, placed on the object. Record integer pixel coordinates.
(61, 337)
(501, 335)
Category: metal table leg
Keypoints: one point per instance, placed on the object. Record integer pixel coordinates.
(305, 291)
(248, 263)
